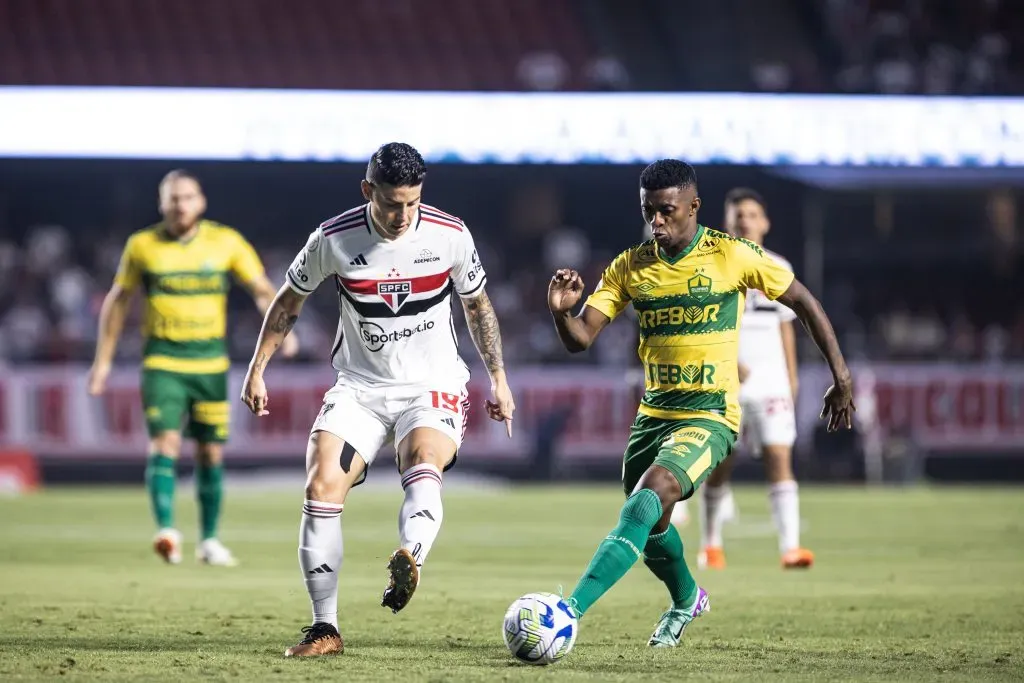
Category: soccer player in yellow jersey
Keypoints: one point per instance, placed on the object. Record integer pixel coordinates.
(687, 286)
(182, 265)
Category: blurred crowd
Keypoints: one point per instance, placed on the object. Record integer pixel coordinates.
(933, 47)
(52, 284)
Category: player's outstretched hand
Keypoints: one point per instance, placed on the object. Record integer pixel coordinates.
(254, 394)
(98, 374)
(564, 290)
(839, 408)
(502, 407)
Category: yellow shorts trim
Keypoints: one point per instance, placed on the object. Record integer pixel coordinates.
(188, 366)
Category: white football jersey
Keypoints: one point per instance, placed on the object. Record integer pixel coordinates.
(760, 346)
(395, 296)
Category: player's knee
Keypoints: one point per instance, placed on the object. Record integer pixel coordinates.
(427, 454)
(664, 484)
(323, 487)
(778, 461)
(166, 443)
(210, 454)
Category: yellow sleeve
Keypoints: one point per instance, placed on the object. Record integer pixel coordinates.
(129, 270)
(611, 296)
(758, 270)
(245, 262)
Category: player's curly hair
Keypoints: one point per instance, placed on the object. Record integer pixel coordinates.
(742, 194)
(666, 173)
(396, 164)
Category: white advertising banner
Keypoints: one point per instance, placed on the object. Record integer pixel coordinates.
(513, 128)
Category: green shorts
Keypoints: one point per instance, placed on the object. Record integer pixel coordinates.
(168, 397)
(689, 449)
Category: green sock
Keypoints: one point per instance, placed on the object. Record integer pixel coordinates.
(619, 550)
(160, 475)
(663, 555)
(209, 490)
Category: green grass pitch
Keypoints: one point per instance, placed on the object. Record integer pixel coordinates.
(910, 585)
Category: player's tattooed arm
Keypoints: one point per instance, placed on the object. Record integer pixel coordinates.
(483, 326)
(281, 317)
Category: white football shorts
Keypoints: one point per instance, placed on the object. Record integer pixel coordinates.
(767, 421)
(368, 418)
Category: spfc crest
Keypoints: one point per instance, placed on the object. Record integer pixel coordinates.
(394, 293)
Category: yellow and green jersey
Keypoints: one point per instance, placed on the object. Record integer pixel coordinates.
(186, 286)
(689, 310)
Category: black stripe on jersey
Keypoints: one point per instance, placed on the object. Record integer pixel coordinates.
(369, 309)
(295, 283)
(769, 309)
(344, 215)
(341, 333)
(476, 289)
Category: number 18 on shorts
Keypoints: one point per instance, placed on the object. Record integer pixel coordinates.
(369, 417)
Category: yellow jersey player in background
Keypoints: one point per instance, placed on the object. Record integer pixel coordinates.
(688, 286)
(182, 265)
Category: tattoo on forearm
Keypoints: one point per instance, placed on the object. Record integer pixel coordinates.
(261, 361)
(284, 323)
(483, 326)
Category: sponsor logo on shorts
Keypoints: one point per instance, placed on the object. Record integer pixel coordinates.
(374, 337)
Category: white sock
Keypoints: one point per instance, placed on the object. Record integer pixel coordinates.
(419, 520)
(714, 509)
(320, 556)
(785, 502)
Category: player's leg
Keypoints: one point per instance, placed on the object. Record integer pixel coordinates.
(715, 504)
(346, 436)
(165, 402)
(428, 434)
(656, 479)
(209, 425)
(691, 454)
(783, 496)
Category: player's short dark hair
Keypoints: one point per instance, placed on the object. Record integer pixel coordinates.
(180, 174)
(666, 173)
(396, 164)
(742, 194)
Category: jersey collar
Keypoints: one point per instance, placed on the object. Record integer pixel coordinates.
(689, 247)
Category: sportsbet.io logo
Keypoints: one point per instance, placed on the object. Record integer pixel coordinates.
(374, 337)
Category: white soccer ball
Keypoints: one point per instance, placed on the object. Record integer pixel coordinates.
(540, 628)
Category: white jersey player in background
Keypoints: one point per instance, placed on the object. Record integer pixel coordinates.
(769, 382)
(395, 263)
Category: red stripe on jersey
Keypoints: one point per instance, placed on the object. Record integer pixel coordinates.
(424, 283)
(440, 221)
(434, 209)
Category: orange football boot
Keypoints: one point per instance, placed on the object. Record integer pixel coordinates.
(797, 558)
(711, 557)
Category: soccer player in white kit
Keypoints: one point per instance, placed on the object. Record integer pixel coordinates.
(395, 263)
(768, 372)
